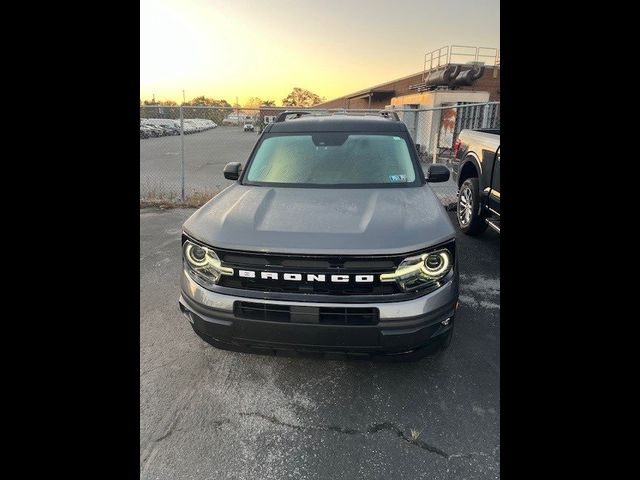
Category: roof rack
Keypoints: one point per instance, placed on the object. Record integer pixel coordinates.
(283, 116)
(390, 114)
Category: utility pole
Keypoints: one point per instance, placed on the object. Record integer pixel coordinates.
(183, 100)
(182, 152)
(237, 111)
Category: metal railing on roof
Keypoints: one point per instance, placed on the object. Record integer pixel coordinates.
(459, 54)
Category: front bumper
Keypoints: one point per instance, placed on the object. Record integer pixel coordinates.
(409, 326)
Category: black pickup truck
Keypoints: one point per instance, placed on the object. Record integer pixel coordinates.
(476, 169)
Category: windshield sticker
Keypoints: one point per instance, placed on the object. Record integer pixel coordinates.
(397, 178)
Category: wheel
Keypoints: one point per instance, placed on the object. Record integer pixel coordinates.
(470, 218)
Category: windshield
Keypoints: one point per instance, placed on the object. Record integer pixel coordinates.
(333, 158)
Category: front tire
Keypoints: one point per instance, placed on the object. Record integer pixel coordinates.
(470, 217)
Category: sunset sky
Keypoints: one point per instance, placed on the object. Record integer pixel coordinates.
(264, 48)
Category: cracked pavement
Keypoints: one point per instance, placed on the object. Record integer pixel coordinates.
(211, 414)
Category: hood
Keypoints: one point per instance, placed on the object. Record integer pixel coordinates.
(319, 221)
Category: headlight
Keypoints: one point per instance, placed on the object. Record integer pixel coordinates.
(421, 271)
(203, 264)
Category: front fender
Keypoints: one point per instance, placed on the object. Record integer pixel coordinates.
(469, 158)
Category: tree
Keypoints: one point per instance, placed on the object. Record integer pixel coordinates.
(256, 102)
(300, 97)
(253, 102)
(158, 109)
(219, 109)
(203, 101)
(167, 103)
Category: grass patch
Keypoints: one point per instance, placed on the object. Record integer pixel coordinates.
(165, 201)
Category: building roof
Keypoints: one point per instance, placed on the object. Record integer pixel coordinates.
(391, 88)
(376, 89)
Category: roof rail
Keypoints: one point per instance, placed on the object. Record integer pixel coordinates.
(283, 116)
(390, 114)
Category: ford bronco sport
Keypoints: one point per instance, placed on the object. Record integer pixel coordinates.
(330, 240)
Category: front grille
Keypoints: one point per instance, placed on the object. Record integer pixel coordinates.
(327, 265)
(294, 314)
(309, 288)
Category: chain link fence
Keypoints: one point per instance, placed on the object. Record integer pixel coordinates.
(436, 130)
(183, 150)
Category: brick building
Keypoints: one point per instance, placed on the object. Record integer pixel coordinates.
(381, 95)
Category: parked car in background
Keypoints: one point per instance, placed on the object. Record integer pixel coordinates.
(476, 168)
(189, 126)
(197, 124)
(166, 126)
(144, 131)
(158, 129)
(152, 130)
(159, 123)
(238, 119)
(170, 129)
(249, 127)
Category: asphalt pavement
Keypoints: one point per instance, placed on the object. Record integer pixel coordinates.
(212, 414)
(205, 155)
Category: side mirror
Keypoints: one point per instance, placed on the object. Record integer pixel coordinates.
(438, 173)
(232, 170)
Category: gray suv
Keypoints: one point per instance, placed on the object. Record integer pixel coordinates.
(330, 240)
